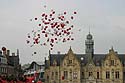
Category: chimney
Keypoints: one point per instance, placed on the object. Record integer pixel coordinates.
(58, 52)
(8, 52)
(13, 54)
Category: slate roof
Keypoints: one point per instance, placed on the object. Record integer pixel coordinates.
(97, 58)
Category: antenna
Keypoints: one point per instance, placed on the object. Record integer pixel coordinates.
(89, 29)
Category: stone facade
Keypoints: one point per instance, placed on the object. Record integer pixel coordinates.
(85, 68)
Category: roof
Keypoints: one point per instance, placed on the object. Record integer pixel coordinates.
(37, 63)
(2, 55)
(97, 58)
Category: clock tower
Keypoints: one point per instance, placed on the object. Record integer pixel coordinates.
(89, 43)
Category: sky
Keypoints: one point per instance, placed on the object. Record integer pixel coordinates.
(104, 18)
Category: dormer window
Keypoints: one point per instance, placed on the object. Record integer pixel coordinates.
(70, 61)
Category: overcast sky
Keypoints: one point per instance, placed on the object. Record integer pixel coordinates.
(104, 17)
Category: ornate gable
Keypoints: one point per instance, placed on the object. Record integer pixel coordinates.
(70, 59)
(112, 59)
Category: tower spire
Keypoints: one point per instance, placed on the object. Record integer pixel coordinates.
(89, 30)
(89, 43)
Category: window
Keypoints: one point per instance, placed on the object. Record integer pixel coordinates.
(90, 73)
(117, 75)
(107, 74)
(56, 75)
(123, 75)
(65, 74)
(52, 76)
(82, 75)
(112, 62)
(75, 75)
(70, 61)
(70, 75)
(97, 75)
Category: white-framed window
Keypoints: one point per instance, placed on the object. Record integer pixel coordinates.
(75, 75)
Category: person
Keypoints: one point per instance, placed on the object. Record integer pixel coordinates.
(30, 79)
(39, 81)
(3, 79)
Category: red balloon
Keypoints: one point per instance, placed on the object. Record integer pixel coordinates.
(46, 26)
(53, 12)
(44, 43)
(43, 15)
(49, 19)
(34, 52)
(68, 33)
(51, 49)
(55, 38)
(39, 24)
(65, 31)
(67, 22)
(3, 48)
(52, 40)
(38, 34)
(28, 41)
(74, 12)
(46, 35)
(36, 40)
(72, 26)
(48, 40)
(50, 15)
(35, 18)
(43, 31)
(64, 12)
(62, 25)
(72, 38)
(52, 18)
(28, 36)
(71, 17)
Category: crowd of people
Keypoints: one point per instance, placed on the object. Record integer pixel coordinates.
(23, 79)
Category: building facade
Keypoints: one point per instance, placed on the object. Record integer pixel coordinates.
(9, 64)
(35, 69)
(85, 68)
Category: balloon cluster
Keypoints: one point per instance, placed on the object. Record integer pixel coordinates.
(51, 29)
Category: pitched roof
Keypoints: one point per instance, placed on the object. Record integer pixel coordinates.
(97, 58)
